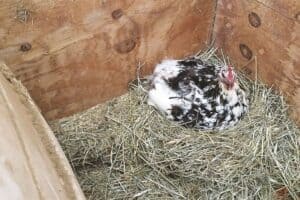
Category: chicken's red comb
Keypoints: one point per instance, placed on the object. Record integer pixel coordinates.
(230, 74)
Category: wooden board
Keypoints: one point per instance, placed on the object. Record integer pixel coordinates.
(268, 31)
(72, 55)
(32, 164)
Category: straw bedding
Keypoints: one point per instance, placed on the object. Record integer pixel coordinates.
(124, 149)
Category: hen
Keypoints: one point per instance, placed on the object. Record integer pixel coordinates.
(197, 94)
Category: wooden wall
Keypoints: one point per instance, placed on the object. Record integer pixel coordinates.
(32, 164)
(268, 31)
(72, 54)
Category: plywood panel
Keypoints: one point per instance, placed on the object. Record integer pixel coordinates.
(74, 54)
(269, 31)
(32, 164)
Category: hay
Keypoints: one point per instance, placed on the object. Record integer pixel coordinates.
(124, 149)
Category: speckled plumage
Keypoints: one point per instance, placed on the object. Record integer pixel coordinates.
(190, 92)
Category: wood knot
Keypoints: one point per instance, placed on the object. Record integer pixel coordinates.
(254, 19)
(23, 15)
(246, 51)
(125, 46)
(25, 47)
(116, 14)
(297, 16)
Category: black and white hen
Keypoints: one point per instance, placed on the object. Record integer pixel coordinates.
(197, 94)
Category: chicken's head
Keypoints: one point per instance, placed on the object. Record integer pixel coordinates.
(227, 77)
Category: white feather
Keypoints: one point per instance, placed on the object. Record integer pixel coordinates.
(167, 69)
(162, 97)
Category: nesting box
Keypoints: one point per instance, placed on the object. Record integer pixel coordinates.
(72, 55)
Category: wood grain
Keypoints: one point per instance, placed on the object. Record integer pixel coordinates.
(72, 55)
(32, 164)
(269, 31)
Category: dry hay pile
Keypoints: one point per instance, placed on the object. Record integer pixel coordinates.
(124, 149)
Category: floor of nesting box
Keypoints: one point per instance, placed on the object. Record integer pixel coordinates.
(124, 149)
